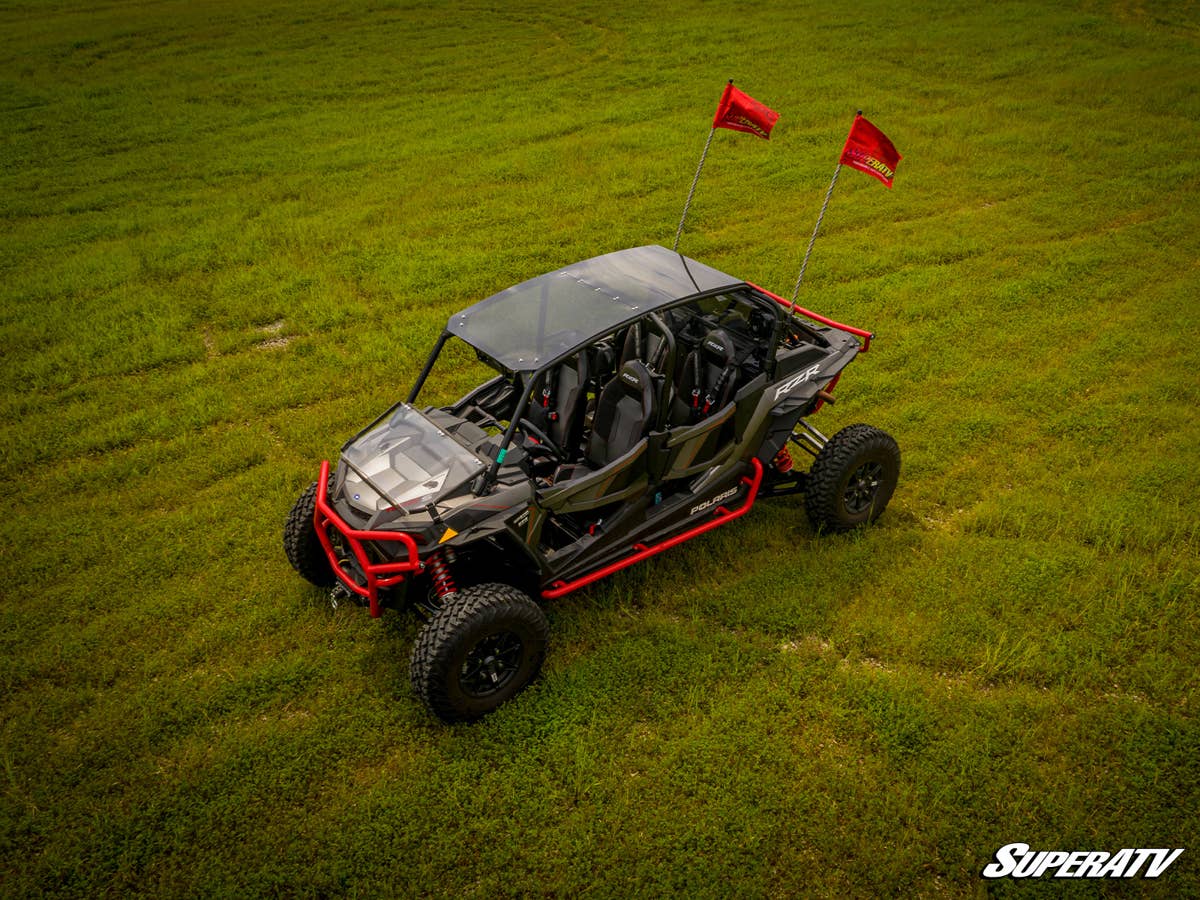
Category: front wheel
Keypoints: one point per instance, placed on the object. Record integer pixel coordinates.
(852, 478)
(480, 649)
(301, 544)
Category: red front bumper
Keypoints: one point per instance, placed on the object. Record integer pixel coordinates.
(378, 575)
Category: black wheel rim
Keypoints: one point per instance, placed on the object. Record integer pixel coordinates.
(862, 487)
(491, 664)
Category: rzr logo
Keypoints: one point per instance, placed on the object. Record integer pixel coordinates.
(700, 507)
(796, 380)
(631, 378)
(714, 346)
(1018, 861)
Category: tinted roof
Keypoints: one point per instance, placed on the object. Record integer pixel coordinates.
(528, 325)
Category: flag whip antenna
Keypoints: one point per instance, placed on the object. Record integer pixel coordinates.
(812, 240)
(737, 111)
(691, 193)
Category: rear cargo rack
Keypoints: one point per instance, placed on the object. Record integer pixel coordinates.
(817, 317)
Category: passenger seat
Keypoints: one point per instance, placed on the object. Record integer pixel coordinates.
(625, 413)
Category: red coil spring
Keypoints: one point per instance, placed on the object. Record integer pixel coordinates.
(783, 460)
(438, 567)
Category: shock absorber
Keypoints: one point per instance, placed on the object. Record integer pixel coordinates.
(440, 578)
(782, 461)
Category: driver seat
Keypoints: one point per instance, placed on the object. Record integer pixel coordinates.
(557, 409)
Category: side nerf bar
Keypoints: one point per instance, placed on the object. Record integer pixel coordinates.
(379, 575)
(641, 551)
(817, 317)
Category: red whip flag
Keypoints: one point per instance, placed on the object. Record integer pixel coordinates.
(869, 150)
(737, 111)
(741, 112)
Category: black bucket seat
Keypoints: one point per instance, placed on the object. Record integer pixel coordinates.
(558, 406)
(625, 412)
(615, 465)
(707, 379)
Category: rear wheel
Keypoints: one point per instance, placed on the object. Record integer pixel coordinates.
(301, 544)
(480, 649)
(852, 478)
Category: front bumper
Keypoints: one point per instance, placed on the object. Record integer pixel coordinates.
(377, 575)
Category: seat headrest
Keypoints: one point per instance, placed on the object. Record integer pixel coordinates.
(717, 347)
(635, 379)
(603, 357)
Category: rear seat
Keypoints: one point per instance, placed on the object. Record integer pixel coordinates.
(707, 379)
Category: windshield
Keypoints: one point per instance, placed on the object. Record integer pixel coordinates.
(406, 462)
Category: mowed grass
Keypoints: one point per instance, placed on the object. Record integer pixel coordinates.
(230, 234)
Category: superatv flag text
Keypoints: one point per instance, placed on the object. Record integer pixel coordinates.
(869, 150)
(739, 111)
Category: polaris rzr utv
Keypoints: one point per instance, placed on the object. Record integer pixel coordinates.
(640, 399)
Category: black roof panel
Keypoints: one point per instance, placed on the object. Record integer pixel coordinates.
(537, 321)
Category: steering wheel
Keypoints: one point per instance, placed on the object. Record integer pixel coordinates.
(543, 440)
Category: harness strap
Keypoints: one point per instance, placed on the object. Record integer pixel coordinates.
(723, 379)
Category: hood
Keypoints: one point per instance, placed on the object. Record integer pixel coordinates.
(407, 463)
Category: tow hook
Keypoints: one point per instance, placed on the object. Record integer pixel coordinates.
(336, 593)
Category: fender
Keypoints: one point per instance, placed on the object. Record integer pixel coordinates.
(796, 380)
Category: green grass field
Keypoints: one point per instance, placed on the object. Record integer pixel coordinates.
(230, 233)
